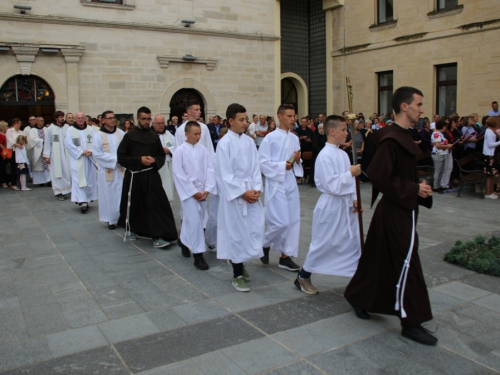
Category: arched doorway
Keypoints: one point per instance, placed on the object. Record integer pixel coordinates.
(289, 93)
(25, 96)
(181, 98)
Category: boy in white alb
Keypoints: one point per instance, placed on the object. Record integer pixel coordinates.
(194, 178)
(335, 245)
(240, 221)
(279, 156)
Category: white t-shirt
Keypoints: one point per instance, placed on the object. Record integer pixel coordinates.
(262, 128)
(439, 137)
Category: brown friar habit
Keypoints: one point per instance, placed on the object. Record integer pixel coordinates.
(150, 212)
(393, 172)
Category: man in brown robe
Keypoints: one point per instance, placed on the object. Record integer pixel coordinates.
(144, 208)
(389, 277)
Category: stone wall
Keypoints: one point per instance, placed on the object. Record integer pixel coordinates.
(119, 67)
(412, 47)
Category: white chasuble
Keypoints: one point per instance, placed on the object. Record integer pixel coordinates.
(54, 149)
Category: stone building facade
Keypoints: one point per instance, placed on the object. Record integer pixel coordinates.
(447, 48)
(120, 55)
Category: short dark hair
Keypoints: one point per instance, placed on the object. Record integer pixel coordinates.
(233, 109)
(105, 113)
(403, 95)
(191, 103)
(189, 125)
(58, 113)
(143, 110)
(285, 107)
(332, 122)
(495, 102)
(441, 123)
(15, 121)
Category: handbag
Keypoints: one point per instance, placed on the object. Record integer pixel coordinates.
(6, 153)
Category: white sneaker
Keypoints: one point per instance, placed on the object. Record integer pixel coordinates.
(491, 196)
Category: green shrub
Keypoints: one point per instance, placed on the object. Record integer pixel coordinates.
(480, 255)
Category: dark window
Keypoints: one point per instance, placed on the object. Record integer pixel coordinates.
(289, 93)
(385, 11)
(108, 1)
(24, 90)
(385, 90)
(446, 89)
(446, 4)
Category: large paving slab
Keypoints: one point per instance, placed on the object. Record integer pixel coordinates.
(76, 299)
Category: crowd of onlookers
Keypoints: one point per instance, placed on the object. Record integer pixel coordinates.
(441, 139)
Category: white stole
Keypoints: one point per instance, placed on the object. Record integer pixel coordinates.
(80, 166)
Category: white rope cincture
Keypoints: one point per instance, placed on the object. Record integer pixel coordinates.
(400, 288)
(127, 223)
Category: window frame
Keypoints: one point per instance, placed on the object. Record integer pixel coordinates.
(381, 89)
(387, 21)
(445, 8)
(446, 83)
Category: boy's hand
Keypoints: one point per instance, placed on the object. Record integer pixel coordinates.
(356, 208)
(204, 196)
(356, 170)
(198, 196)
(296, 156)
(251, 196)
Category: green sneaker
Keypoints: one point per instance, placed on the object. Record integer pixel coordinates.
(246, 275)
(240, 284)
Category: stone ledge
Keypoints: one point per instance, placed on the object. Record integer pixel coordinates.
(383, 26)
(446, 12)
(87, 3)
(166, 60)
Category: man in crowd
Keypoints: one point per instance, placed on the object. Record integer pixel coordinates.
(214, 130)
(55, 155)
(389, 279)
(38, 164)
(494, 110)
(305, 135)
(173, 127)
(260, 130)
(78, 143)
(31, 124)
(110, 174)
(168, 143)
(279, 153)
(144, 208)
(70, 119)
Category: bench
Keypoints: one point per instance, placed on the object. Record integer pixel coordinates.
(470, 177)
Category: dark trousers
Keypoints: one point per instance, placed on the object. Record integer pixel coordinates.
(12, 178)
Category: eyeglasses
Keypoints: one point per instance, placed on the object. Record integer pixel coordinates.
(148, 119)
(109, 118)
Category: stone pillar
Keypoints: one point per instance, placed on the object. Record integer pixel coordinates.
(25, 57)
(72, 58)
(328, 7)
(277, 55)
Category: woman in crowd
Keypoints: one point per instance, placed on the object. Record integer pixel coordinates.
(3, 162)
(457, 151)
(491, 162)
(440, 151)
(127, 125)
(12, 134)
(425, 136)
(271, 127)
(359, 141)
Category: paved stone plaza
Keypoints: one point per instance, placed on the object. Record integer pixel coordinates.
(76, 299)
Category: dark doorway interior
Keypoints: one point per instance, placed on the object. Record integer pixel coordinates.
(25, 96)
(181, 98)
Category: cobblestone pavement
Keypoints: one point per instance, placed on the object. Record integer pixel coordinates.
(76, 299)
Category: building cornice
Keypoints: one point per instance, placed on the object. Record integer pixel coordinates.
(428, 37)
(132, 25)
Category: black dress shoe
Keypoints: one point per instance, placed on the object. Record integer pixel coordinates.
(265, 258)
(200, 263)
(84, 207)
(360, 313)
(419, 334)
(185, 251)
(111, 226)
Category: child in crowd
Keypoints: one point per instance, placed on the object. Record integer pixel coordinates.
(240, 220)
(335, 246)
(22, 162)
(193, 170)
